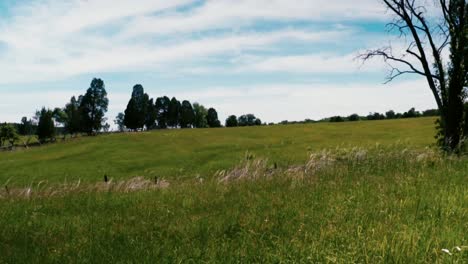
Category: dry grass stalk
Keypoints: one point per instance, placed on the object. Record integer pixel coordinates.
(43, 190)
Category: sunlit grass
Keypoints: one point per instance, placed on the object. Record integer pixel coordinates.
(336, 199)
(188, 153)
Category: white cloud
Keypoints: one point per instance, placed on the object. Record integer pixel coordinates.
(235, 14)
(315, 63)
(51, 40)
(120, 57)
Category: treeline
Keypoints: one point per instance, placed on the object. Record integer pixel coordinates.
(243, 120)
(412, 113)
(145, 113)
(83, 114)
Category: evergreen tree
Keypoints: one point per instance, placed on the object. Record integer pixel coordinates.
(26, 127)
(200, 116)
(212, 118)
(151, 115)
(173, 113)
(46, 126)
(94, 106)
(73, 114)
(130, 117)
(187, 115)
(137, 109)
(162, 111)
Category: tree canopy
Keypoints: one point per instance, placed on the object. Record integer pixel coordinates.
(46, 126)
(200, 116)
(231, 121)
(94, 106)
(137, 109)
(8, 134)
(187, 115)
(173, 113)
(212, 118)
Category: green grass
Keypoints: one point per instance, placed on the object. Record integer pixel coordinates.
(187, 153)
(397, 203)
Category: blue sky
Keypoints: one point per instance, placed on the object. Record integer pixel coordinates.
(279, 59)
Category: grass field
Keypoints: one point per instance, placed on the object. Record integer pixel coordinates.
(180, 154)
(355, 202)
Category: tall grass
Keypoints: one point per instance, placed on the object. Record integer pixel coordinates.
(379, 204)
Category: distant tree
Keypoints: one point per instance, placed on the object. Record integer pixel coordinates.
(231, 121)
(336, 119)
(151, 115)
(73, 113)
(60, 118)
(94, 106)
(243, 121)
(8, 134)
(46, 126)
(248, 120)
(354, 117)
(137, 109)
(412, 113)
(119, 121)
(390, 114)
(106, 127)
(173, 113)
(131, 115)
(26, 127)
(258, 122)
(187, 115)
(162, 111)
(212, 118)
(431, 112)
(200, 116)
(375, 116)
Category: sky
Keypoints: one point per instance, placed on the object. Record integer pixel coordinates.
(278, 59)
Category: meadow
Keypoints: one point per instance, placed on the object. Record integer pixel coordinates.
(179, 154)
(363, 192)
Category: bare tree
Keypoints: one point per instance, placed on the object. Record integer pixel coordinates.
(430, 38)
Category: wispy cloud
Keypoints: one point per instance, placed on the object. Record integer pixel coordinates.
(51, 41)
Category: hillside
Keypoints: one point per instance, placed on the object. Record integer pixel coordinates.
(377, 194)
(188, 153)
